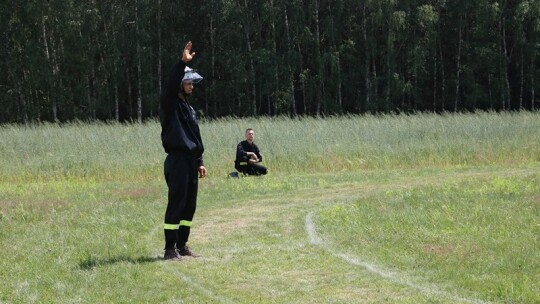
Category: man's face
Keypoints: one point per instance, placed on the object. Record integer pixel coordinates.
(187, 86)
(250, 135)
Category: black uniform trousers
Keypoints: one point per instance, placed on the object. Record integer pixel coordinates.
(181, 175)
(251, 169)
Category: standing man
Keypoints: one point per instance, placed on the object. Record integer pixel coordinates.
(181, 139)
(248, 156)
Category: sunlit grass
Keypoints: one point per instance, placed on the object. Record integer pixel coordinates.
(481, 235)
(449, 202)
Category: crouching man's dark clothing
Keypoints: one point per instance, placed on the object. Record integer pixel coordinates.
(242, 165)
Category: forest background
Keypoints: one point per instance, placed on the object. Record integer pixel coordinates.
(107, 60)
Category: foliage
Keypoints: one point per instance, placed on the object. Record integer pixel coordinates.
(107, 60)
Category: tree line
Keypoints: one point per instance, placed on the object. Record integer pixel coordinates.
(69, 60)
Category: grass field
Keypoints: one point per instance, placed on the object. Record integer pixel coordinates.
(360, 209)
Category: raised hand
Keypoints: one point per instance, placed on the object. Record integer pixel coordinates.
(187, 55)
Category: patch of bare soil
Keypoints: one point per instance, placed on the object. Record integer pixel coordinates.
(136, 192)
(41, 206)
(230, 221)
(537, 201)
(439, 250)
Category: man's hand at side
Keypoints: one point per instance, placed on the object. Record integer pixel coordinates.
(202, 171)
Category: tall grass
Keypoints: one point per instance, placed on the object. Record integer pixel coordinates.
(385, 141)
(288, 145)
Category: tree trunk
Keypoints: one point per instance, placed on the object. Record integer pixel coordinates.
(251, 65)
(88, 94)
(139, 73)
(159, 68)
(388, 69)
(252, 74)
(503, 63)
(318, 58)
(389, 64)
(338, 95)
(54, 67)
(289, 63)
(435, 79)
(414, 96)
(302, 80)
(48, 57)
(375, 79)
(115, 83)
(490, 92)
(532, 83)
(22, 94)
(458, 65)
(521, 81)
(276, 95)
(213, 60)
(507, 83)
(108, 32)
(115, 88)
(367, 80)
(443, 82)
(129, 91)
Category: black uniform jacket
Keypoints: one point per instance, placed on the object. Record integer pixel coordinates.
(179, 127)
(241, 155)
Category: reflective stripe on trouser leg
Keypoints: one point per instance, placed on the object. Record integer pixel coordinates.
(171, 226)
(171, 235)
(176, 226)
(186, 223)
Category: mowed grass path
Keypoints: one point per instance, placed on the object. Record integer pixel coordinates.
(372, 229)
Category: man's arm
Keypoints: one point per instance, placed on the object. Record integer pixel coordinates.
(174, 83)
(257, 153)
(241, 155)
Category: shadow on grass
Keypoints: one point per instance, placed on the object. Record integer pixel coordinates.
(92, 262)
